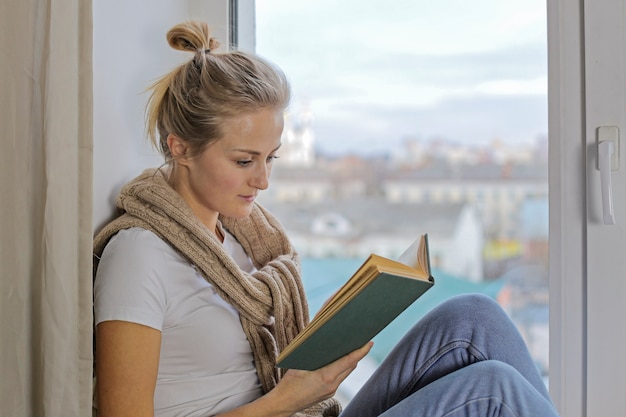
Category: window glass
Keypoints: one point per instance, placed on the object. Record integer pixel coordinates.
(409, 117)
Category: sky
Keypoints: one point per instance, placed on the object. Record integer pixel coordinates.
(375, 73)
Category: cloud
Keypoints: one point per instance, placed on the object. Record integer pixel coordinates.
(426, 80)
(372, 74)
(473, 119)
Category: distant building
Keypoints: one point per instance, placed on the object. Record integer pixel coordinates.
(480, 214)
(417, 152)
(497, 193)
(293, 184)
(356, 228)
(298, 140)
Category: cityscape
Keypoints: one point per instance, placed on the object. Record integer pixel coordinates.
(483, 206)
(485, 209)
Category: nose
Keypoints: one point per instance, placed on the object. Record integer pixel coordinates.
(261, 178)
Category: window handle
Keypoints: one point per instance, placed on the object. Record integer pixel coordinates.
(608, 160)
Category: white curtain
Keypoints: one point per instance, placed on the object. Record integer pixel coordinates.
(45, 208)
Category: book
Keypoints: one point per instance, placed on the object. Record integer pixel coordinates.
(379, 291)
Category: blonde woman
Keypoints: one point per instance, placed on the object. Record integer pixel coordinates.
(197, 287)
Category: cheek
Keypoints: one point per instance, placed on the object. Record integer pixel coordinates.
(226, 180)
(212, 175)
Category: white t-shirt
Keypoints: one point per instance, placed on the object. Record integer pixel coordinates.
(206, 364)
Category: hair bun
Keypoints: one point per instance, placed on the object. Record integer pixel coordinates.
(193, 35)
(213, 44)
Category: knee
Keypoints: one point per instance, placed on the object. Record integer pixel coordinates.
(476, 312)
(498, 373)
(472, 305)
(503, 387)
(493, 369)
(479, 300)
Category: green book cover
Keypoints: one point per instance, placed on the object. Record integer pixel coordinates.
(358, 321)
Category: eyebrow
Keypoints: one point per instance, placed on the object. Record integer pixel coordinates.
(252, 152)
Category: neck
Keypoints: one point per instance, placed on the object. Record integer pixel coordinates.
(208, 218)
(219, 233)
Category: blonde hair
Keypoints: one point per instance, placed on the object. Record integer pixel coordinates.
(193, 100)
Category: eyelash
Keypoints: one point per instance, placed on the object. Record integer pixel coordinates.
(247, 162)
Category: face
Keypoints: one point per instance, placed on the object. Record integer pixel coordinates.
(228, 175)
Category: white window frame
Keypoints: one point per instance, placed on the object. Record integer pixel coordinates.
(605, 279)
(566, 190)
(586, 78)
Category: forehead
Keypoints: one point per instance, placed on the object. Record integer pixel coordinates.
(262, 127)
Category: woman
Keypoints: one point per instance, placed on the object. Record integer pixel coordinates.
(197, 288)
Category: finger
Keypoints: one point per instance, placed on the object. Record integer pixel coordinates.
(360, 353)
(350, 360)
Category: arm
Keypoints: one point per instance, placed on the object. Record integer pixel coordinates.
(298, 390)
(127, 361)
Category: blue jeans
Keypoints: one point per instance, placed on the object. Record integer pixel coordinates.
(464, 358)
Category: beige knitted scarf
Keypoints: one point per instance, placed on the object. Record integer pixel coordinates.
(271, 302)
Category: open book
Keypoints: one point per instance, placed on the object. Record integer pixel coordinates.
(372, 298)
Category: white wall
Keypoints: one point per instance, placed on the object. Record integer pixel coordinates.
(129, 51)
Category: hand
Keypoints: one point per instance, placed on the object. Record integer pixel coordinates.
(298, 390)
(301, 389)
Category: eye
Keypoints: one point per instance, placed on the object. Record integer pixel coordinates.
(244, 163)
(271, 158)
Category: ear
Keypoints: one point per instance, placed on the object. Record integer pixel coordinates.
(178, 147)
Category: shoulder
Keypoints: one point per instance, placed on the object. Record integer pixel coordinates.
(135, 239)
(138, 254)
(131, 280)
(136, 246)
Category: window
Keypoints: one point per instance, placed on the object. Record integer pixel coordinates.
(389, 98)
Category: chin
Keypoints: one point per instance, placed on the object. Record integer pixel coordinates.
(239, 214)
